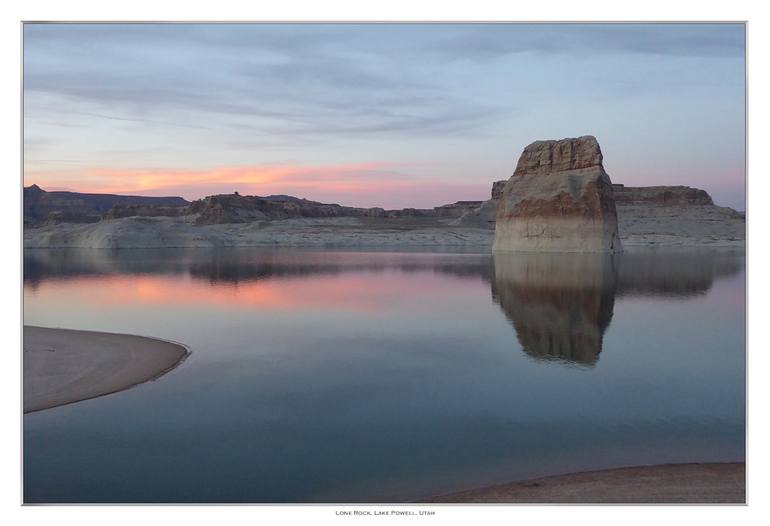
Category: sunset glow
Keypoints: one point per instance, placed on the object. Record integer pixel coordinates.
(373, 184)
(376, 115)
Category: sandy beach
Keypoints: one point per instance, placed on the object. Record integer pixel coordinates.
(63, 366)
(665, 483)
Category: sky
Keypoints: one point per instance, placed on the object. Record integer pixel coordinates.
(391, 115)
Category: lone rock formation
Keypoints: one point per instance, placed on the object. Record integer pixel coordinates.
(559, 199)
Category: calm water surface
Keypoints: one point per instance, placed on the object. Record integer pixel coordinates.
(323, 376)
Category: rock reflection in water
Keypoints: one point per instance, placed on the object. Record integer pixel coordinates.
(675, 274)
(235, 265)
(562, 304)
(559, 304)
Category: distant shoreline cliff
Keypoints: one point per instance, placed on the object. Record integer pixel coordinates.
(43, 208)
(647, 216)
(550, 190)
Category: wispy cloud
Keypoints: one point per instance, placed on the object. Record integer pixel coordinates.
(324, 80)
(464, 97)
(489, 41)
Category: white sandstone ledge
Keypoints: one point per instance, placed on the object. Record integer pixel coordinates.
(638, 225)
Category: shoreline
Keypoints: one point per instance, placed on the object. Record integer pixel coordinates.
(690, 226)
(687, 483)
(65, 366)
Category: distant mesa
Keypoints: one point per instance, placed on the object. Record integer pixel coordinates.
(48, 208)
(661, 195)
(559, 199)
(235, 208)
(42, 207)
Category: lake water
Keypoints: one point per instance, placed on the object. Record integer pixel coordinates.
(327, 376)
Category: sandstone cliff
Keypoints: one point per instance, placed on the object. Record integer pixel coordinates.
(649, 216)
(42, 207)
(559, 199)
(497, 189)
(661, 195)
(483, 214)
(234, 208)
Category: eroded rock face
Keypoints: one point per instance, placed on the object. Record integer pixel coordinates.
(545, 157)
(120, 210)
(482, 214)
(235, 208)
(41, 207)
(497, 189)
(559, 199)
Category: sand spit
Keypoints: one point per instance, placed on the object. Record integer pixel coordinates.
(62, 366)
(666, 483)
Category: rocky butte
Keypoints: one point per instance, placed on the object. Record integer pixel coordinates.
(559, 199)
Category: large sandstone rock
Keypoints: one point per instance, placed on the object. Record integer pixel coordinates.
(559, 199)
